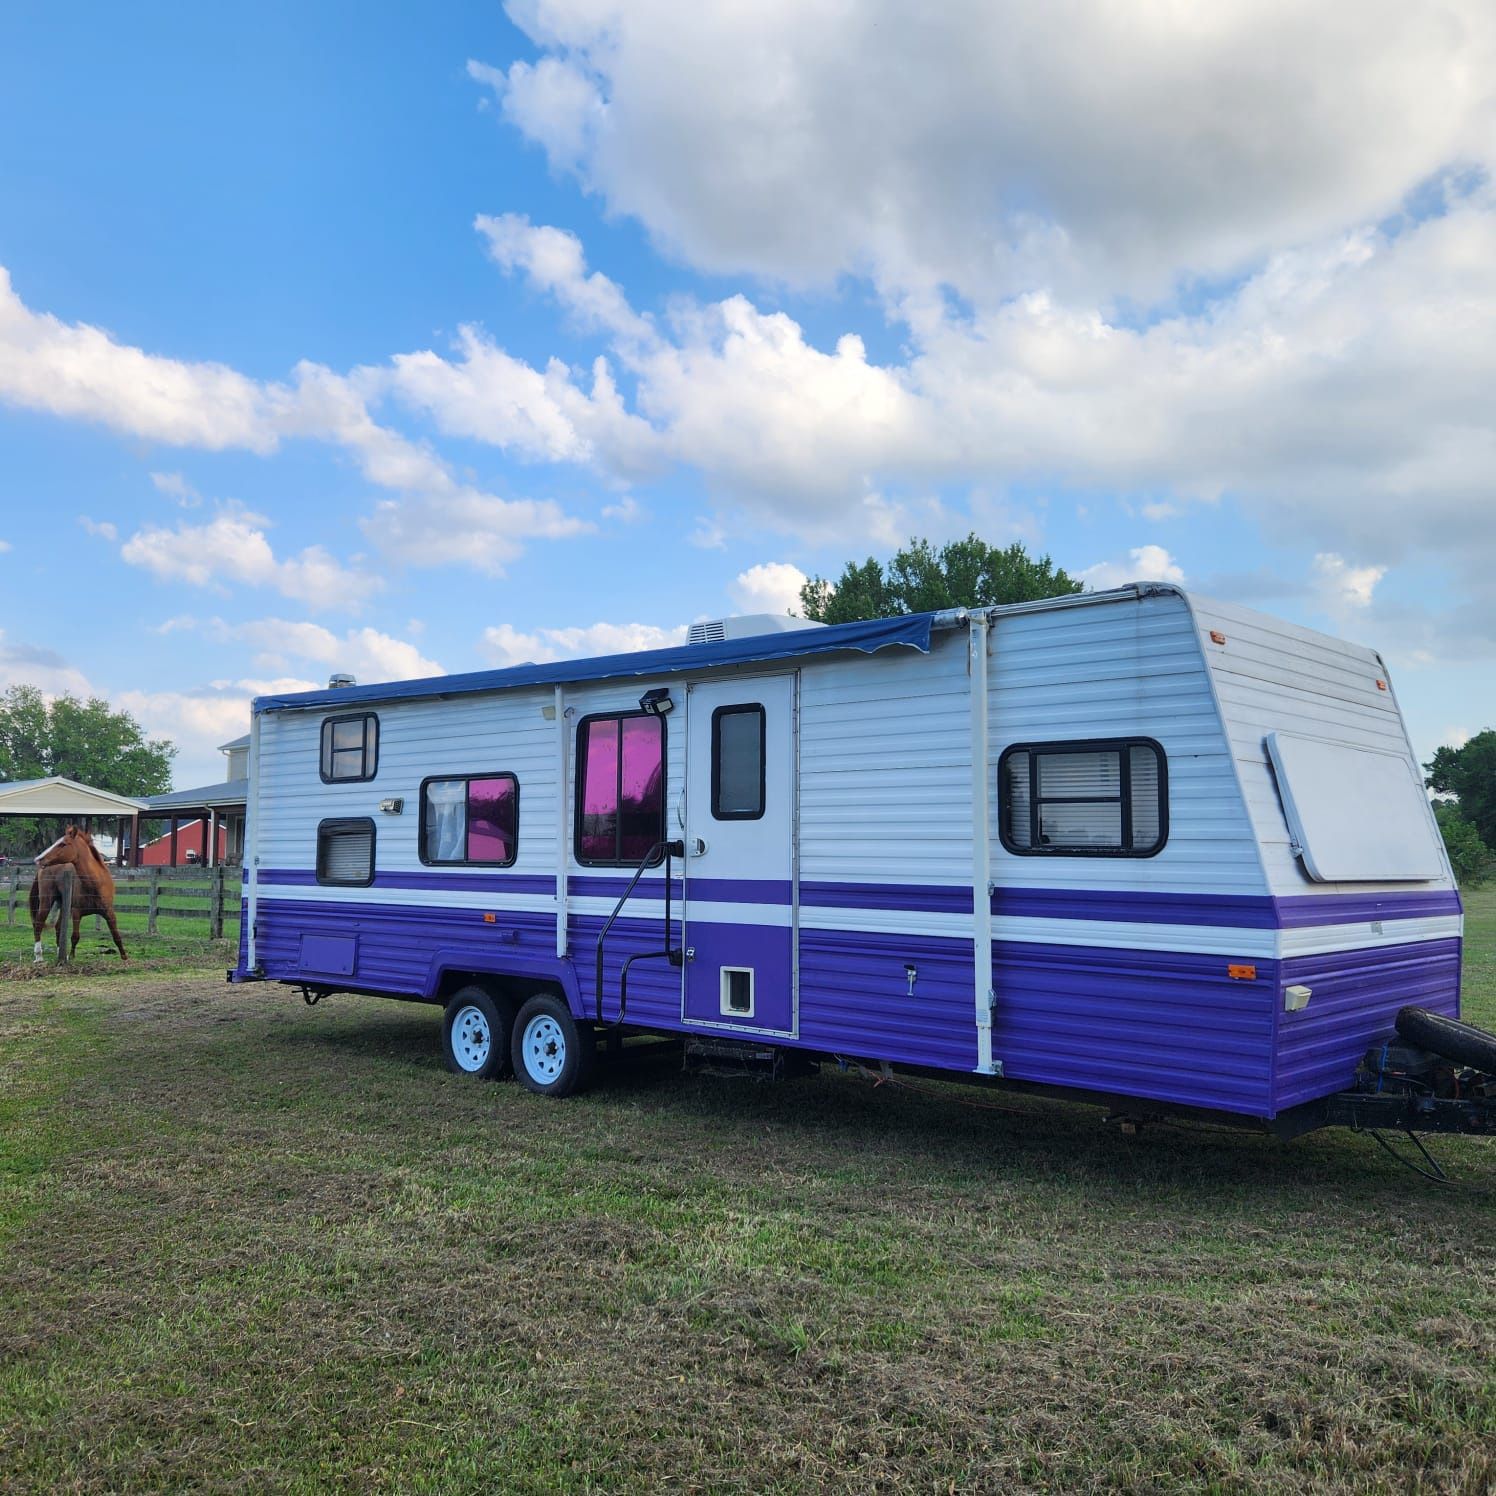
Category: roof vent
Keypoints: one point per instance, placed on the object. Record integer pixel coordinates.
(339, 681)
(746, 626)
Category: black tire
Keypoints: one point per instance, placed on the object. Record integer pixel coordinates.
(1461, 1042)
(553, 1053)
(475, 1033)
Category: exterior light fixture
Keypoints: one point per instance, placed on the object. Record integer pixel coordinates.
(656, 702)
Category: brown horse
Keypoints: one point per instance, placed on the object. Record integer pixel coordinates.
(93, 888)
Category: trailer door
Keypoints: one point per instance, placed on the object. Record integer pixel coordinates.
(740, 855)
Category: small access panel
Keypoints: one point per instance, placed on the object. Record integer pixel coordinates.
(739, 934)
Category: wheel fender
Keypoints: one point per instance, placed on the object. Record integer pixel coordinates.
(515, 965)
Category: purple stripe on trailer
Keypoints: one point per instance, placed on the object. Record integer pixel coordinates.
(1165, 1025)
(1356, 995)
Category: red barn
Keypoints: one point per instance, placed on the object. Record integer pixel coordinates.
(192, 839)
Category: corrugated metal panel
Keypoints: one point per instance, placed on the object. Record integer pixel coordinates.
(885, 777)
(1128, 668)
(1355, 1002)
(1154, 1024)
(855, 998)
(1275, 676)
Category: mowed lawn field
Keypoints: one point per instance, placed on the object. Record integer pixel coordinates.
(245, 1245)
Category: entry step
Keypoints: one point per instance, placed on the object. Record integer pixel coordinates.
(738, 1057)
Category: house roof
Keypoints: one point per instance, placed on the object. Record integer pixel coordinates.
(912, 631)
(237, 743)
(58, 796)
(230, 794)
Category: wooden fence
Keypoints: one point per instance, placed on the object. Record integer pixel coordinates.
(159, 893)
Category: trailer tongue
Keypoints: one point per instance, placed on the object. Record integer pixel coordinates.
(1437, 1075)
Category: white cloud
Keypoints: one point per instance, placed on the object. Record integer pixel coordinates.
(1144, 563)
(233, 547)
(24, 664)
(102, 528)
(986, 143)
(1343, 585)
(490, 396)
(4, 546)
(506, 645)
(466, 528)
(552, 260)
(175, 486)
(198, 722)
(79, 372)
(770, 587)
(365, 653)
(626, 511)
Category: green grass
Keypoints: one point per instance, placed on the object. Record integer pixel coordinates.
(177, 945)
(247, 1245)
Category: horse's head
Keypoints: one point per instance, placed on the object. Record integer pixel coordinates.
(73, 845)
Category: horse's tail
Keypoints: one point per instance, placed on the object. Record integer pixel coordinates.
(35, 898)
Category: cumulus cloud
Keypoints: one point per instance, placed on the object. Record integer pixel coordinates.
(1343, 585)
(80, 372)
(769, 587)
(986, 145)
(26, 664)
(364, 652)
(233, 547)
(175, 486)
(503, 644)
(102, 529)
(466, 528)
(1144, 563)
(552, 260)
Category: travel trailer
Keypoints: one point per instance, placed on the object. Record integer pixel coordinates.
(1131, 846)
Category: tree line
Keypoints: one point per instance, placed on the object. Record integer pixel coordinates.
(88, 741)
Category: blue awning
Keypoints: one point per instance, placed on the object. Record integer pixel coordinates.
(912, 631)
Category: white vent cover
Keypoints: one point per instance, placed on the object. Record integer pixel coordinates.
(746, 626)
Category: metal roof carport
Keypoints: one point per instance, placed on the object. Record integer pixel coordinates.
(79, 803)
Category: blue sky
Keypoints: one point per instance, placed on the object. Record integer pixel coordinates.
(395, 340)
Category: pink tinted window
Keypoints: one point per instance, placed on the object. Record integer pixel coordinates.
(492, 819)
(622, 789)
(597, 835)
(642, 790)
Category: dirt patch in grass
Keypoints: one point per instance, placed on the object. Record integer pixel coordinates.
(253, 1244)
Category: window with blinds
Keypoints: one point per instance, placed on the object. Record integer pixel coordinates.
(1088, 799)
(345, 853)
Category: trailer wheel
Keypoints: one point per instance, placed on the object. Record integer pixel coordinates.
(475, 1034)
(1461, 1042)
(552, 1053)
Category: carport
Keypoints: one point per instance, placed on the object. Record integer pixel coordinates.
(79, 804)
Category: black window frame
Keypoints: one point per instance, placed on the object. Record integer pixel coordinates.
(324, 760)
(331, 826)
(579, 787)
(1123, 748)
(466, 779)
(735, 709)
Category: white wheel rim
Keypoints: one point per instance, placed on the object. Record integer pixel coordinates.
(471, 1038)
(544, 1047)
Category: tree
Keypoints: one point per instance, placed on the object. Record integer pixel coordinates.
(1470, 774)
(1468, 854)
(920, 579)
(83, 740)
